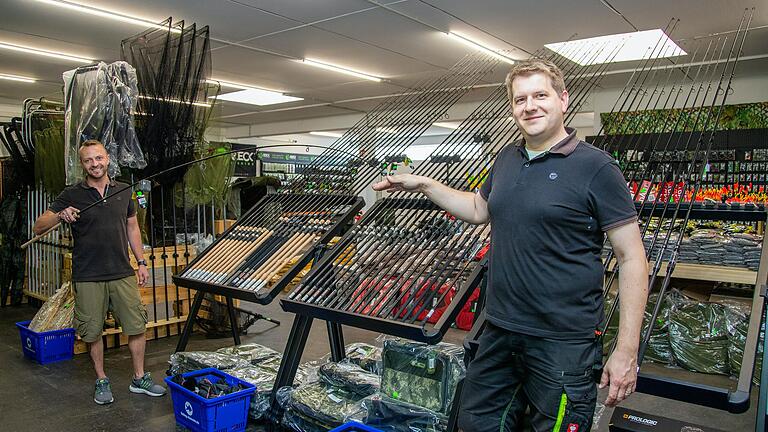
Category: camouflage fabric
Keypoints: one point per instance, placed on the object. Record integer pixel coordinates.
(699, 338)
(365, 355)
(389, 415)
(350, 377)
(423, 375)
(299, 422)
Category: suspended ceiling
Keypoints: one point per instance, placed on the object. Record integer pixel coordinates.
(255, 42)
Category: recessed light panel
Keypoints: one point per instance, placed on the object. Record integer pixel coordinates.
(631, 46)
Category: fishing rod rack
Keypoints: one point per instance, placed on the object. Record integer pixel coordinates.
(270, 245)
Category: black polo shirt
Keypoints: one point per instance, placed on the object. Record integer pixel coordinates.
(548, 217)
(101, 241)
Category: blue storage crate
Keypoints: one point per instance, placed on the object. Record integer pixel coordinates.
(228, 413)
(354, 427)
(46, 347)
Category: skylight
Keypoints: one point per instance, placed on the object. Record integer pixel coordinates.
(632, 46)
(257, 97)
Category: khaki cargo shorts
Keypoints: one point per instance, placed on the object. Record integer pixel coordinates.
(94, 299)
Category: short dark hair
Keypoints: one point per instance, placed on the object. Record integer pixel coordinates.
(534, 66)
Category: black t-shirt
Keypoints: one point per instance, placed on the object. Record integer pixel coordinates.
(101, 240)
(548, 217)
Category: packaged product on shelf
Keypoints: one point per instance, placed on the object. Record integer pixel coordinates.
(737, 323)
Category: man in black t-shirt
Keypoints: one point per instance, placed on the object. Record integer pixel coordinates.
(550, 199)
(102, 276)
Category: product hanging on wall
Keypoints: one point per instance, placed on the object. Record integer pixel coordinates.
(173, 64)
(100, 103)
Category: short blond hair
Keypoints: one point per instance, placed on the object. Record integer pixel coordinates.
(90, 143)
(534, 66)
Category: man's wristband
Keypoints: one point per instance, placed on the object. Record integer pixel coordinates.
(141, 262)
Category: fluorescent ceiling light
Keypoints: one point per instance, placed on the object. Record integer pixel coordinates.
(388, 130)
(445, 125)
(340, 69)
(469, 42)
(16, 78)
(40, 52)
(103, 13)
(200, 104)
(238, 85)
(326, 134)
(631, 46)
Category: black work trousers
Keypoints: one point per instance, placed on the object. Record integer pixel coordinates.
(512, 371)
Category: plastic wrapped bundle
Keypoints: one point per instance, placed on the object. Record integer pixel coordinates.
(57, 313)
(351, 377)
(252, 352)
(99, 104)
(699, 338)
(737, 322)
(187, 361)
(420, 374)
(321, 403)
(365, 355)
(389, 415)
(659, 350)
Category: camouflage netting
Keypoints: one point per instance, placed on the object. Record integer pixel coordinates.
(350, 377)
(317, 406)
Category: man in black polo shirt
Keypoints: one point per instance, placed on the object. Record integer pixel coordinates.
(101, 270)
(549, 198)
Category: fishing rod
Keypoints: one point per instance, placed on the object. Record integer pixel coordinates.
(165, 171)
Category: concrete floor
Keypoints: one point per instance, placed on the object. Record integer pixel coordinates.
(59, 397)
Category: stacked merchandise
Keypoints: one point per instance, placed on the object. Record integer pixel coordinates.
(253, 363)
(709, 243)
(418, 383)
(325, 404)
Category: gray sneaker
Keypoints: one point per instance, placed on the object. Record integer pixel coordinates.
(103, 393)
(146, 386)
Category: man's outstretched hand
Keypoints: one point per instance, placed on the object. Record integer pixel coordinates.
(402, 182)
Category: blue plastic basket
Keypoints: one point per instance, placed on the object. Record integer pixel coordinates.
(228, 413)
(46, 347)
(354, 427)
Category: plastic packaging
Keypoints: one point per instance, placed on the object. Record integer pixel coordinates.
(186, 361)
(100, 101)
(365, 355)
(350, 377)
(57, 313)
(318, 403)
(420, 374)
(699, 337)
(389, 415)
(737, 323)
(252, 352)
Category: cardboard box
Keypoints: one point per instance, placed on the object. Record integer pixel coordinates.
(221, 225)
(627, 420)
